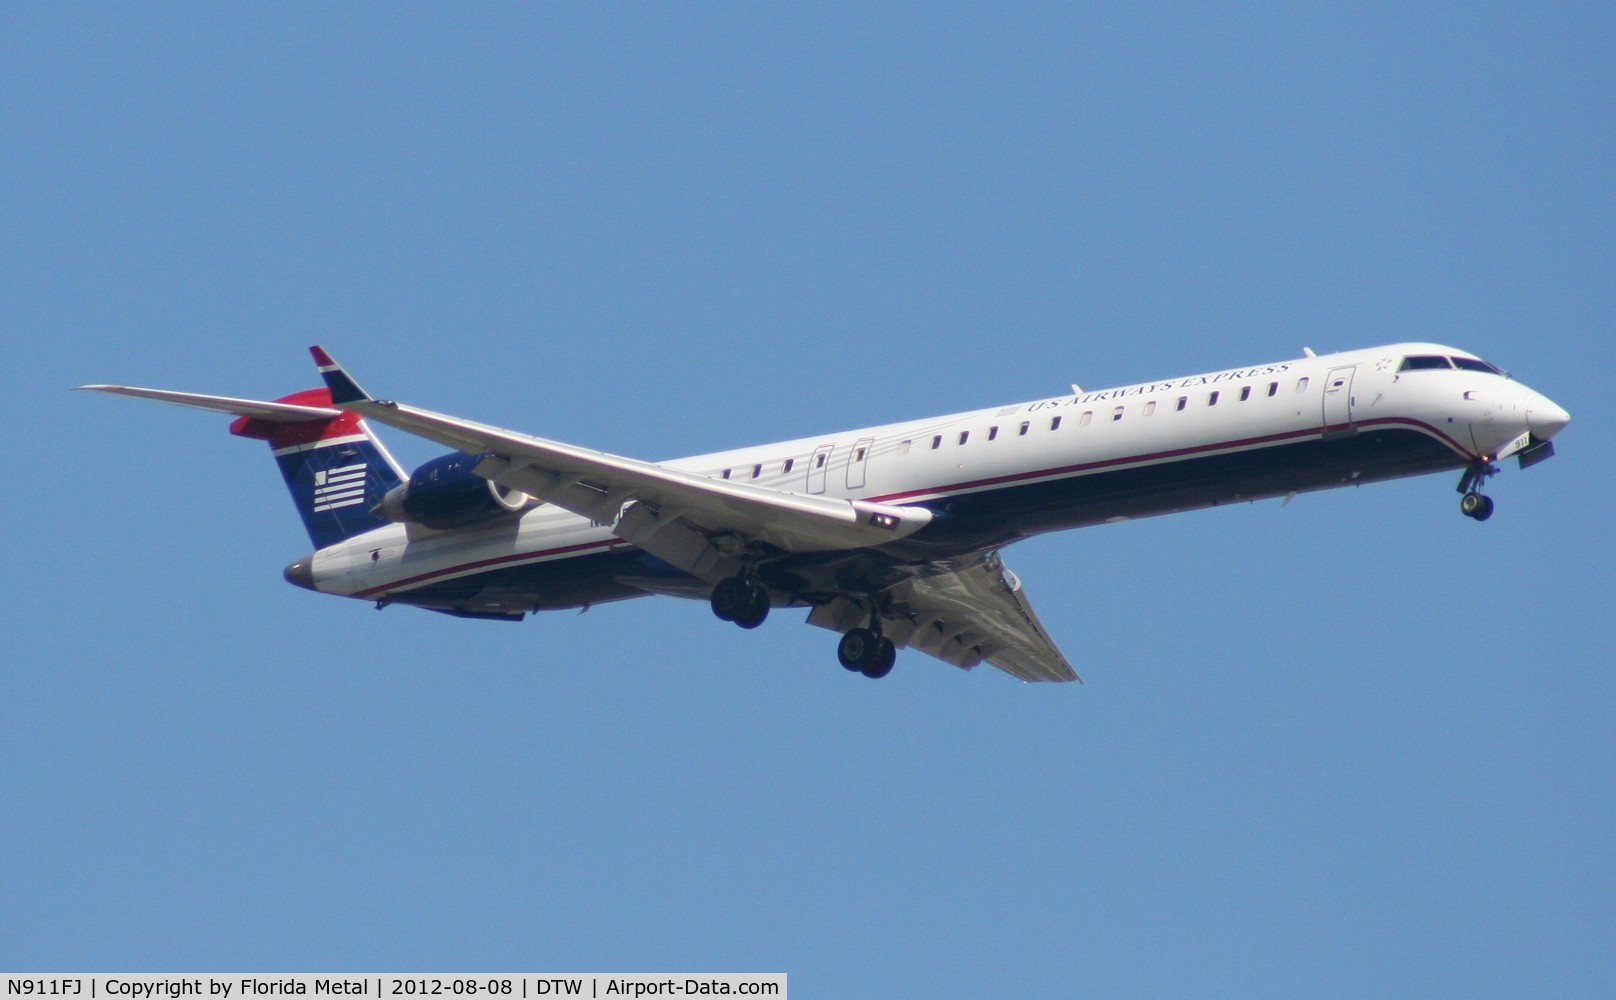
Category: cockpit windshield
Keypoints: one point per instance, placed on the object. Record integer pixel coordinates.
(1420, 362)
(1428, 362)
(1477, 365)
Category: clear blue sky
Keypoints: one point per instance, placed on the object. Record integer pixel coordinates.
(1356, 746)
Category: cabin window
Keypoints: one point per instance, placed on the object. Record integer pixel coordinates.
(727, 472)
(937, 442)
(819, 463)
(757, 470)
(1273, 387)
(858, 455)
(1301, 384)
(1245, 393)
(1054, 423)
(789, 463)
(1183, 401)
(1116, 414)
(1025, 424)
(964, 436)
(903, 449)
(993, 433)
(1150, 408)
(1212, 399)
(1087, 416)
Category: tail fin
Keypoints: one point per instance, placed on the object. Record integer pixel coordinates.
(335, 467)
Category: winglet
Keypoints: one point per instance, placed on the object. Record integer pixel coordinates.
(343, 388)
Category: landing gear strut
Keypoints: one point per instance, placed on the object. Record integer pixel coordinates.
(1474, 504)
(867, 652)
(741, 601)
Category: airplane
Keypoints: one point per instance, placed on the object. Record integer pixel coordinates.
(889, 535)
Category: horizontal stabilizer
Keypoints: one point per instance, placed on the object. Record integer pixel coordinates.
(278, 413)
(335, 467)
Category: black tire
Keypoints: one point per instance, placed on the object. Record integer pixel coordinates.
(857, 648)
(1485, 510)
(731, 598)
(756, 610)
(1473, 504)
(886, 654)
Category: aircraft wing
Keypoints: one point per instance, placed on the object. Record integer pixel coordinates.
(964, 615)
(677, 515)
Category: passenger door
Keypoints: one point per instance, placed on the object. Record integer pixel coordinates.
(1338, 401)
(858, 462)
(818, 465)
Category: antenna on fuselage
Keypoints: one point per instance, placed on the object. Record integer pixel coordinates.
(1077, 390)
(1309, 352)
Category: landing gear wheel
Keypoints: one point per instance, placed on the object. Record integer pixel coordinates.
(857, 648)
(731, 598)
(757, 610)
(863, 652)
(886, 654)
(1475, 505)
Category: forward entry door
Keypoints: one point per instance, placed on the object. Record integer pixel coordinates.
(1338, 401)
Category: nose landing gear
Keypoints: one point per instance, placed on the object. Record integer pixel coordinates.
(1475, 504)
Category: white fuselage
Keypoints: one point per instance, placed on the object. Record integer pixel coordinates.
(997, 474)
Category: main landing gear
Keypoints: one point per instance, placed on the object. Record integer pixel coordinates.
(867, 652)
(862, 650)
(741, 601)
(1475, 505)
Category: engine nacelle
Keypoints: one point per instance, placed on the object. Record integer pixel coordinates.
(445, 493)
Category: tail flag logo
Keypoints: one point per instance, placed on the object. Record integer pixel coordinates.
(340, 487)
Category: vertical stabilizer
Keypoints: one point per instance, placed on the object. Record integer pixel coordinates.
(336, 469)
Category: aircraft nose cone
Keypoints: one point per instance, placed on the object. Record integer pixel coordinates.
(301, 573)
(1545, 419)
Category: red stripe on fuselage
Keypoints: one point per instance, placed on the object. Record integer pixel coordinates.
(486, 563)
(940, 491)
(1110, 463)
